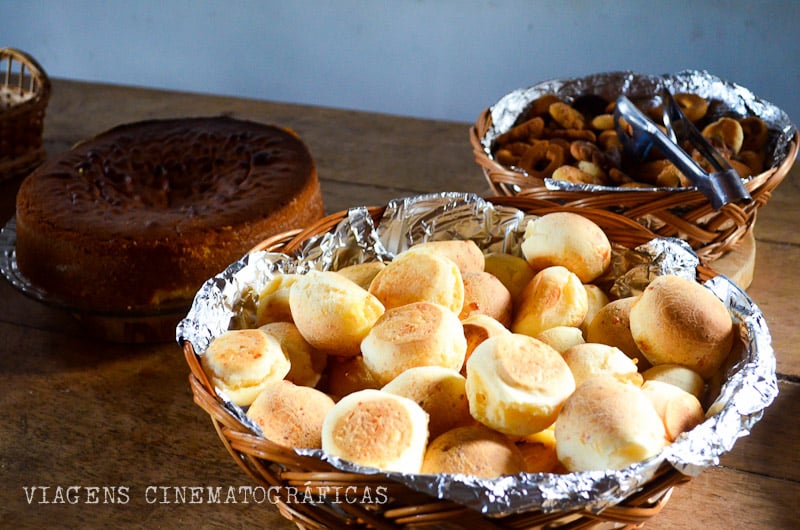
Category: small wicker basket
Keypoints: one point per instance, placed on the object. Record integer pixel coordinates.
(24, 95)
(283, 471)
(687, 215)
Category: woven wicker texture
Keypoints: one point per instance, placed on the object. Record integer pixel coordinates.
(280, 468)
(686, 214)
(24, 94)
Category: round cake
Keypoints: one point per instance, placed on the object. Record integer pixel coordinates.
(138, 217)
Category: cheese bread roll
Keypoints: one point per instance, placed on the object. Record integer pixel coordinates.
(307, 362)
(607, 424)
(242, 362)
(377, 429)
(420, 277)
(473, 450)
(416, 334)
(291, 415)
(554, 297)
(439, 391)
(464, 253)
(517, 384)
(333, 313)
(678, 321)
(590, 359)
(569, 240)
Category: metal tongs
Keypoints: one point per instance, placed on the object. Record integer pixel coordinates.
(639, 135)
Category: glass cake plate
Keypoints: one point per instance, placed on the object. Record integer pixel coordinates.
(138, 325)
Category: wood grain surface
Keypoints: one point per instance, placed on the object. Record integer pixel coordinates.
(117, 422)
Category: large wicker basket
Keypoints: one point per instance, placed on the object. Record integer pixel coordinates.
(24, 95)
(281, 469)
(684, 214)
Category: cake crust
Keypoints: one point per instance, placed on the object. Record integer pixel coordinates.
(139, 216)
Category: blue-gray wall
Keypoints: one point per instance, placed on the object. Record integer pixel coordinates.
(443, 59)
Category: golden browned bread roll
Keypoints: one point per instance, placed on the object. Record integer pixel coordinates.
(291, 415)
(513, 271)
(307, 363)
(416, 334)
(679, 410)
(607, 424)
(420, 277)
(466, 254)
(439, 391)
(273, 301)
(611, 325)
(539, 452)
(554, 297)
(346, 375)
(680, 376)
(377, 429)
(561, 338)
(591, 359)
(596, 299)
(478, 328)
(242, 362)
(362, 273)
(485, 294)
(473, 450)
(569, 240)
(517, 384)
(676, 320)
(333, 313)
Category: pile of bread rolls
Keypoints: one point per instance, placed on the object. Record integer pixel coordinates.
(447, 360)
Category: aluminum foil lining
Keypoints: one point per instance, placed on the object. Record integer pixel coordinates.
(731, 100)
(229, 301)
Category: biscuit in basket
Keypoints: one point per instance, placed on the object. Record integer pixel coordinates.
(561, 338)
(466, 254)
(607, 424)
(517, 384)
(679, 410)
(555, 297)
(362, 273)
(346, 375)
(680, 376)
(513, 271)
(242, 362)
(307, 362)
(291, 415)
(591, 359)
(473, 450)
(596, 299)
(539, 452)
(611, 325)
(485, 294)
(569, 240)
(676, 320)
(273, 301)
(377, 429)
(478, 328)
(333, 313)
(420, 276)
(439, 391)
(416, 334)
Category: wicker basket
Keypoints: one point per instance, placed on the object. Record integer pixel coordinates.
(684, 214)
(24, 94)
(280, 468)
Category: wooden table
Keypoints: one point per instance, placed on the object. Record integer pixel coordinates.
(117, 422)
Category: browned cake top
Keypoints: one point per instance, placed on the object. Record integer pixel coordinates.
(162, 176)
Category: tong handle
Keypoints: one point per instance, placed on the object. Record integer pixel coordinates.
(639, 135)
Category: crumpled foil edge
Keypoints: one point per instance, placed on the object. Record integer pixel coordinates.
(229, 300)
